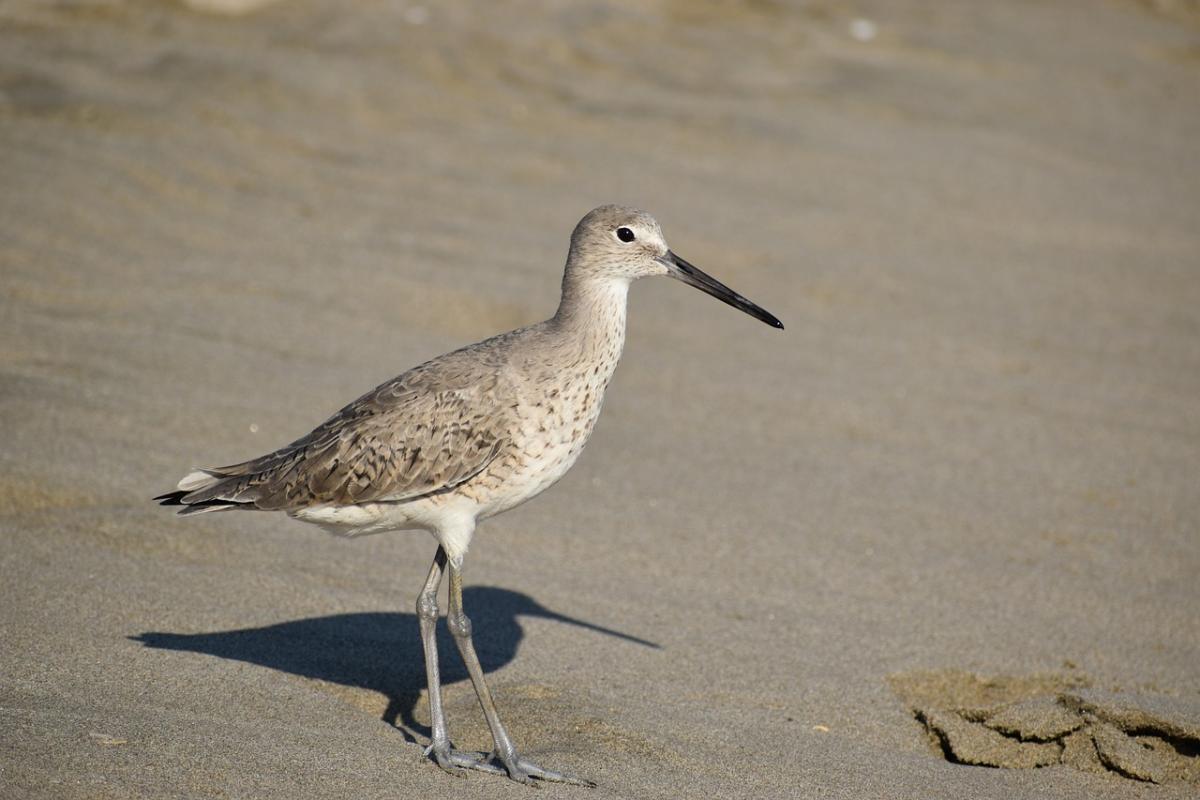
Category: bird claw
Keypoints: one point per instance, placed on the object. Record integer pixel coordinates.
(458, 762)
(555, 777)
(524, 771)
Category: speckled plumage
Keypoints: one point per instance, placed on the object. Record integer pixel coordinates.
(465, 436)
(457, 439)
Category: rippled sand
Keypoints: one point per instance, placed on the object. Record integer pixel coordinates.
(973, 451)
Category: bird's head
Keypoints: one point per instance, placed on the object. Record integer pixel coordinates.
(622, 243)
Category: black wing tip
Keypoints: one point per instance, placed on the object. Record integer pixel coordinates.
(171, 499)
(177, 499)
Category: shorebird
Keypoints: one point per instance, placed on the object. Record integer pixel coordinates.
(464, 437)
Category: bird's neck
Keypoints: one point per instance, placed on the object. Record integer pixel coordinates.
(591, 315)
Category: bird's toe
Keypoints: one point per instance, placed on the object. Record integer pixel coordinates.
(526, 771)
(458, 762)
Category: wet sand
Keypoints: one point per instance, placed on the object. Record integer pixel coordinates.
(973, 453)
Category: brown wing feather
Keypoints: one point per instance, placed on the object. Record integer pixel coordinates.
(418, 434)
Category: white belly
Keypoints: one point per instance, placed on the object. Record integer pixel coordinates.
(450, 518)
(539, 472)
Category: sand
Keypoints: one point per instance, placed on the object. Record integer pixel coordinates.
(973, 453)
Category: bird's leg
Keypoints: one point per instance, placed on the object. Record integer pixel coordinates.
(518, 768)
(439, 745)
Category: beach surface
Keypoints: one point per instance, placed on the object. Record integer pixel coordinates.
(939, 538)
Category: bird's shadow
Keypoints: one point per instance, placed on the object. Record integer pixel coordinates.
(379, 651)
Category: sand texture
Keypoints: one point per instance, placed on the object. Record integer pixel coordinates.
(949, 518)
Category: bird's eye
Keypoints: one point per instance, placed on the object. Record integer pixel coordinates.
(625, 235)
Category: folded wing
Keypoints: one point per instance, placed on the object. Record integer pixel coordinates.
(409, 438)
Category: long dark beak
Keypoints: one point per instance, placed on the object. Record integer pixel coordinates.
(693, 276)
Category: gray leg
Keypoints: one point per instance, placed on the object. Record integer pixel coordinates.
(439, 746)
(517, 768)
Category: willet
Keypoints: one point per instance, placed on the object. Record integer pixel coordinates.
(464, 437)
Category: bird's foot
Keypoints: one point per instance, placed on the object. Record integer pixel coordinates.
(521, 770)
(524, 771)
(457, 762)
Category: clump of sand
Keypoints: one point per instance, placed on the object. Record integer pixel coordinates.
(1021, 722)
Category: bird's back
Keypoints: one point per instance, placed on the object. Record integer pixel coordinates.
(426, 431)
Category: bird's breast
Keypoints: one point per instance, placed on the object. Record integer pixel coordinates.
(553, 423)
